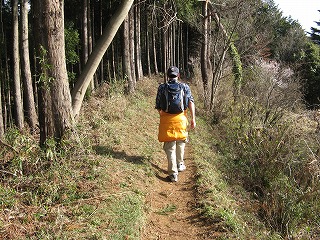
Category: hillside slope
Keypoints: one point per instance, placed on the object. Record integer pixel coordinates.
(110, 182)
(200, 206)
(170, 208)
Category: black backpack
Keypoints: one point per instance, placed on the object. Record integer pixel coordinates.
(173, 99)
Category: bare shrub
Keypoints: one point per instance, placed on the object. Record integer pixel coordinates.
(275, 157)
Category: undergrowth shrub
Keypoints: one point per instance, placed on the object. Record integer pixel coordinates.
(273, 153)
(72, 189)
(34, 178)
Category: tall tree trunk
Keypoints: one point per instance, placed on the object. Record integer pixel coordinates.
(45, 110)
(8, 118)
(138, 41)
(164, 32)
(97, 54)
(132, 48)
(183, 42)
(204, 53)
(188, 61)
(101, 32)
(55, 46)
(113, 61)
(44, 98)
(29, 102)
(86, 37)
(147, 42)
(85, 49)
(173, 48)
(217, 72)
(19, 119)
(154, 48)
(237, 65)
(90, 37)
(179, 44)
(127, 56)
(1, 115)
(170, 46)
(60, 92)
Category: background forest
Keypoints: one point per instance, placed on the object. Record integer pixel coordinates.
(257, 75)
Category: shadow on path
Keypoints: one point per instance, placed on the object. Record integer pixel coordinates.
(121, 155)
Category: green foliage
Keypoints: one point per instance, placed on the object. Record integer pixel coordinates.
(310, 70)
(44, 80)
(289, 41)
(287, 37)
(167, 209)
(126, 216)
(7, 197)
(72, 41)
(315, 33)
(237, 67)
(188, 11)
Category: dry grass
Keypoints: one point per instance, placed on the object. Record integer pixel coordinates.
(78, 191)
(97, 189)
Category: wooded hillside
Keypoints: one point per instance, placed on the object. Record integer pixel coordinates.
(257, 75)
(50, 63)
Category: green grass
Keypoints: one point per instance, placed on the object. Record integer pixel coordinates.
(126, 217)
(169, 208)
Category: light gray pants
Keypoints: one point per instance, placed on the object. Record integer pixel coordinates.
(175, 153)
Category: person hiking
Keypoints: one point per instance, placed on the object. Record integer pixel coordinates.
(172, 101)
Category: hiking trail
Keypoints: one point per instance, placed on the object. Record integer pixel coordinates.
(172, 208)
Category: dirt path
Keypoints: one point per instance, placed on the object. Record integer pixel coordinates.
(172, 206)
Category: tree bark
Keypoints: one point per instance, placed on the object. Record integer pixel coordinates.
(54, 44)
(147, 42)
(237, 65)
(19, 118)
(2, 95)
(138, 41)
(86, 35)
(1, 116)
(85, 49)
(44, 99)
(90, 39)
(29, 102)
(164, 33)
(101, 32)
(126, 62)
(132, 48)
(97, 54)
(155, 62)
(204, 53)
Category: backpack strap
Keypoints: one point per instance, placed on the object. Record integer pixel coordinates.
(166, 96)
(182, 95)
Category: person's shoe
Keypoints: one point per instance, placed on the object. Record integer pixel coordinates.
(181, 167)
(174, 177)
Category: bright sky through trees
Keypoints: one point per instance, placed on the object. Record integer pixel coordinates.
(305, 11)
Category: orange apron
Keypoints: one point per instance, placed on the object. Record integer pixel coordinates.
(173, 127)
